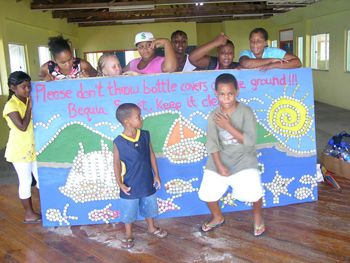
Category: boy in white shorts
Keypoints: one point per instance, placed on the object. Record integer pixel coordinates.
(231, 138)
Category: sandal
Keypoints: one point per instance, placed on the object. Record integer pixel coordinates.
(208, 227)
(259, 230)
(160, 233)
(127, 243)
(36, 220)
(32, 221)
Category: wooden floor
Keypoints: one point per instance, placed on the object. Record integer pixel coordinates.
(309, 232)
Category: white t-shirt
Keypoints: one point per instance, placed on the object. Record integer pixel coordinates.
(188, 66)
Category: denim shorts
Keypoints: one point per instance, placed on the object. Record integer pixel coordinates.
(147, 206)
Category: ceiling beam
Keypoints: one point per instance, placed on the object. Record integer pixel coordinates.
(169, 18)
(80, 6)
(198, 20)
(99, 12)
(164, 11)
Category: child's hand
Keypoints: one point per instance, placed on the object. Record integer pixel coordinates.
(221, 39)
(160, 42)
(223, 170)
(272, 64)
(157, 183)
(30, 103)
(279, 60)
(266, 67)
(48, 78)
(131, 73)
(83, 74)
(125, 189)
(222, 120)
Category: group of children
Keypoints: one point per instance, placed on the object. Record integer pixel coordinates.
(175, 59)
(232, 161)
(231, 133)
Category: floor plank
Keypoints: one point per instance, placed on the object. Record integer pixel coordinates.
(309, 232)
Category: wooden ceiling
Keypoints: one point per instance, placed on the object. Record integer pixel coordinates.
(112, 12)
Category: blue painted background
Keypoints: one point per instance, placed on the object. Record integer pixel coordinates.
(291, 157)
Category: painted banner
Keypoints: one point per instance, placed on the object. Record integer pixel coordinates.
(75, 124)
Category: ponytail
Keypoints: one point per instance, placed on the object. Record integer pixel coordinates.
(11, 93)
(58, 44)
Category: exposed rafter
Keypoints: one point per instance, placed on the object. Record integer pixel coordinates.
(109, 12)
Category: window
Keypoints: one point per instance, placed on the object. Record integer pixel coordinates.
(44, 55)
(130, 55)
(301, 49)
(320, 51)
(286, 40)
(274, 43)
(348, 52)
(92, 58)
(124, 56)
(17, 58)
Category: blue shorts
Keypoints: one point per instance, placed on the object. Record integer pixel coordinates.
(147, 206)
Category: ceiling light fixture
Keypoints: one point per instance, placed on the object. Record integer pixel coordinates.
(123, 21)
(152, 20)
(247, 15)
(123, 8)
(138, 21)
(113, 6)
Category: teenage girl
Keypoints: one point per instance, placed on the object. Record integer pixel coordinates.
(179, 40)
(225, 54)
(263, 57)
(20, 150)
(64, 65)
(149, 62)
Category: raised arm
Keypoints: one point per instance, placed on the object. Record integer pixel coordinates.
(126, 68)
(213, 147)
(200, 58)
(22, 123)
(44, 73)
(224, 122)
(170, 61)
(86, 69)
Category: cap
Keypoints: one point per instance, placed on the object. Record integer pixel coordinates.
(143, 36)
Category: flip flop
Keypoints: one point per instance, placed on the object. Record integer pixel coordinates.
(259, 230)
(206, 227)
(160, 233)
(32, 221)
(127, 243)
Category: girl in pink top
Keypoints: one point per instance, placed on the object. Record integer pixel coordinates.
(149, 63)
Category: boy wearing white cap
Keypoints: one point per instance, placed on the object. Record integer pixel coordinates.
(149, 63)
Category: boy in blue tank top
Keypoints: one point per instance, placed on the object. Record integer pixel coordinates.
(138, 184)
